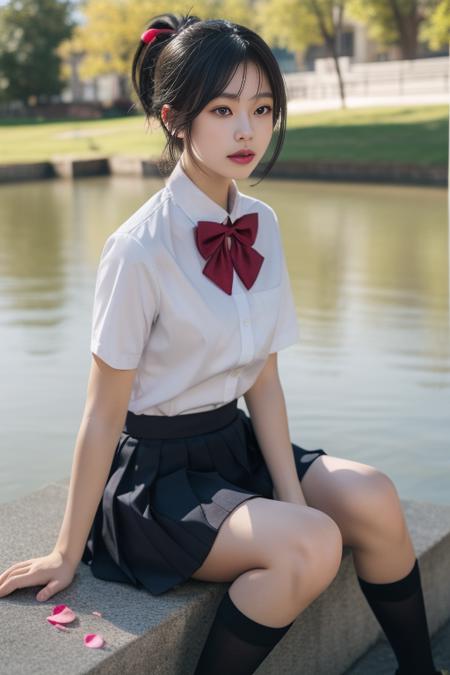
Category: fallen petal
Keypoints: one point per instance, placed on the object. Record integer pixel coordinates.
(61, 614)
(97, 613)
(94, 640)
(60, 627)
(58, 608)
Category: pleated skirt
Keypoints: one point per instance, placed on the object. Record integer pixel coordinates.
(172, 483)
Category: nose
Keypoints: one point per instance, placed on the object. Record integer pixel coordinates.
(244, 128)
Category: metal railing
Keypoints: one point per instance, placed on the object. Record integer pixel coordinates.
(387, 78)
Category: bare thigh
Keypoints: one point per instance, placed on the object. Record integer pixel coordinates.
(261, 533)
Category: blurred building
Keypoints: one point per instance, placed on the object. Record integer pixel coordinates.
(355, 43)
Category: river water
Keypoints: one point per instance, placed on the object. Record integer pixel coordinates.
(368, 381)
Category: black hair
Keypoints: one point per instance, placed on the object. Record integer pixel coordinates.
(193, 65)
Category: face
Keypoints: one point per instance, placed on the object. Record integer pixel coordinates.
(227, 125)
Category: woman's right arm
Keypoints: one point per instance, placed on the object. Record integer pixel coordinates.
(108, 395)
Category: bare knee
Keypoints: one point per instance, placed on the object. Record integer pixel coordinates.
(375, 507)
(274, 535)
(310, 555)
(320, 547)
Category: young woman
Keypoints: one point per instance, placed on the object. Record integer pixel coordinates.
(170, 479)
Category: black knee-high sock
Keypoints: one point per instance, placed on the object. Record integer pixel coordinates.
(400, 610)
(235, 643)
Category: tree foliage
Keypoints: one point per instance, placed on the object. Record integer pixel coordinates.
(436, 32)
(399, 22)
(296, 24)
(30, 32)
(37, 35)
(112, 28)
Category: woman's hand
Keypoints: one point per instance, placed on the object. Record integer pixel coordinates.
(53, 571)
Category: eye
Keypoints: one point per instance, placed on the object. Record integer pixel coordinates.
(224, 107)
(264, 106)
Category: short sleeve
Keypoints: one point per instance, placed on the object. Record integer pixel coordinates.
(125, 302)
(286, 330)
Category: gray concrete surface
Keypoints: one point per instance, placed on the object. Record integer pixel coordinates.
(164, 635)
(380, 660)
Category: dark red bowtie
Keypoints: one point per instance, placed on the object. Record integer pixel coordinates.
(211, 239)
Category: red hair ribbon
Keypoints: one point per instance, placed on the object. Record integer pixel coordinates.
(150, 34)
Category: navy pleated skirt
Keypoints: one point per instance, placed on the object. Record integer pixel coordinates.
(173, 481)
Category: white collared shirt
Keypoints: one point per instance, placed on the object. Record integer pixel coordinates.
(195, 346)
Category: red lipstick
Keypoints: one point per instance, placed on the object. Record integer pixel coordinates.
(242, 156)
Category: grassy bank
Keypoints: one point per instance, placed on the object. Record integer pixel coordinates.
(416, 135)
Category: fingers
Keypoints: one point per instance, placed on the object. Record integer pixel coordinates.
(47, 592)
(50, 571)
(22, 570)
(13, 568)
(19, 580)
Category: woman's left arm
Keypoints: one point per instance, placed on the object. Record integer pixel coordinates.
(267, 407)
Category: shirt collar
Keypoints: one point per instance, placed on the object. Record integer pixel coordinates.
(195, 203)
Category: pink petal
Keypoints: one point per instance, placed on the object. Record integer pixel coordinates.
(94, 640)
(97, 613)
(61, 614)
(60, 627)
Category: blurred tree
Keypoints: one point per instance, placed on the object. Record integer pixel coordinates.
(111, 29)
(30, 32)
(106, 38)
(436, 31)
(297, 24)
(395, 22)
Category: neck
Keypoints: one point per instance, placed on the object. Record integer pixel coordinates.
(214, 186)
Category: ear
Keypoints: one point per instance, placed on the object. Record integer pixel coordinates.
(166, 117)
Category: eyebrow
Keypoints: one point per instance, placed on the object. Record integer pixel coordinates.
(264, 94)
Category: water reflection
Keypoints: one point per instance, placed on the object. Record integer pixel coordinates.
(369, 379)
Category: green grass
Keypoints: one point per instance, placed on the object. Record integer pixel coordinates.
(417, 135)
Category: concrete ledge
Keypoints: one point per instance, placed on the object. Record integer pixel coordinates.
(333, 170)
(164, 635)
(368, 172)
(69, 167)
(381, 660)
(14, 173)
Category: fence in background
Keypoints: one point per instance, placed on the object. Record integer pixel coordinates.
(381, 78)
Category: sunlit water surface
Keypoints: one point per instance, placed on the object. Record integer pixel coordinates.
(369, 379)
